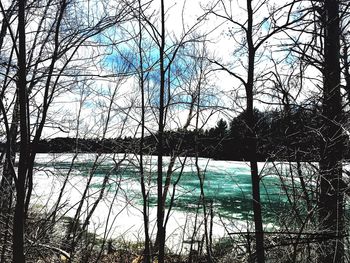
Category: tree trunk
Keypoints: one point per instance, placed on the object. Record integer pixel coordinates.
(160, 207)
(18, 224)
(147, 250)
(7, 187)
(331, 213)
(252, 140)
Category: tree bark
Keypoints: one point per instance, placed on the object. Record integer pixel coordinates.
(160, 207)
(252, 140)
(331, 213)
(18, 224)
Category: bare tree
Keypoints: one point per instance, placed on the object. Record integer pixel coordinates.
(323, 29)
(331, 198)
(18, 223)
(254, 39)
(52, 45)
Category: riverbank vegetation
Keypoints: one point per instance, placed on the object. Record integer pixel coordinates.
(273, 133)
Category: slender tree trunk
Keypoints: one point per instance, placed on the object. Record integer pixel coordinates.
(8, 173)
(331, 213)
(160, 207)
(18, 224)
(147, 251)
(7, 187)
(252, 140)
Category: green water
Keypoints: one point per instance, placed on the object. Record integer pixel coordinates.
(227, 190)
(229, 193)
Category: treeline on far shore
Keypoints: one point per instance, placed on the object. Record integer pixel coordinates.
(280, 135)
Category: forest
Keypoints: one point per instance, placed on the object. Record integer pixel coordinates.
(174, 131)
(272, 129)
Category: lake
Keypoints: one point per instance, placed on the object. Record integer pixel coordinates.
(227, 188)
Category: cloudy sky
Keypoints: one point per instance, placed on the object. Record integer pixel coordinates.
(117, 98)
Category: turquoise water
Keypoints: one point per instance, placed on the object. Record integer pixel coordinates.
(229, 193)
(227, 189)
